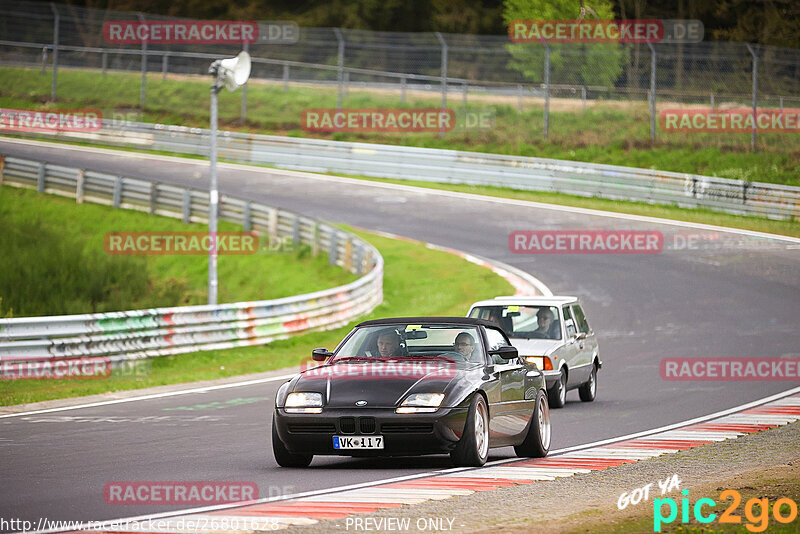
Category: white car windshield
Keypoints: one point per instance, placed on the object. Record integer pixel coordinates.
(439, 341)
(522, 321)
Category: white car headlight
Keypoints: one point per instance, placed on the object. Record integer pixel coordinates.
(302, 402)
(538, 361)
(421, 403)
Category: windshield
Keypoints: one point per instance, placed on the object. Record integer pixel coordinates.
(517, 321)
(433, 341)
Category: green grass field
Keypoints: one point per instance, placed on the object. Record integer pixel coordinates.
(54, 262)
(417, 281)
(611, 132)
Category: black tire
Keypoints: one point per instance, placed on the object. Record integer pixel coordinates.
(282, 454)
(473, 447)
(558, 395)
(588, 390)
(537, 442)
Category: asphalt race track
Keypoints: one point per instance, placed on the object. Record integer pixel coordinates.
(738, 301)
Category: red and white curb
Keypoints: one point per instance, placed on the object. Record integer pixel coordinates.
(370, 498)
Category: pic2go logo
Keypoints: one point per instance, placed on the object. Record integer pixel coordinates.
(783, 511)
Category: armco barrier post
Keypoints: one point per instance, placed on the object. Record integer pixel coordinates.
(444, 70)
(153, 197)
(285, 77)
(41, 177)
(333, 250)
(56, 30)
(164, 66)
(79, 186)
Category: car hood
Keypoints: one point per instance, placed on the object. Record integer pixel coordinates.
(535, 347)
(380, 384)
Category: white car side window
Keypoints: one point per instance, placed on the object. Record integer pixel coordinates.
(570, 326)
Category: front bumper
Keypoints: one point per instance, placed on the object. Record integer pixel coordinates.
(404, 434)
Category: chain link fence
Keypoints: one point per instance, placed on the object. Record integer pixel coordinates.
(714, 74)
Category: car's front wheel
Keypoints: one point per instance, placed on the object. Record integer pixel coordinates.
(537, 442)
(473, 447)
(558, 395)
(588, 390)
(282, 454)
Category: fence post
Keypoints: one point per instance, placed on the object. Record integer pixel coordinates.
(755, 95)
(243, 114)
(247, 222)
(519, 98)
(285, 77)
(712, 101)
(315, 239)
(348, 254)
(142, 89)
(333, 250)
(56, 28)
(583, 98)
(403, 89)
(117, 191)
(781, 101)
(153, 197)
(164, 66)
(79, 186)
(346, 84)
(44, 59)
(340, 71)
(546, 89)
(464, 96)
(104, 60)
(187, 206)
(652, 92)
(296, 230)
(41, 177)
(2, 166)
(444, 69)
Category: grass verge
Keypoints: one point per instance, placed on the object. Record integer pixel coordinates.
(610, 132)
(54, 262)
(417, 281)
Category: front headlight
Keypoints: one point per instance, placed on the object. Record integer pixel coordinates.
(301, 402)
(421, 403)
(538, 361)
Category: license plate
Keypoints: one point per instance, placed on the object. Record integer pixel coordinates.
(357, 442)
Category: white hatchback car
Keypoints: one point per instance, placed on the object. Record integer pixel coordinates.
(553, 334)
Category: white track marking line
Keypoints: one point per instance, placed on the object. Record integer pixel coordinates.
(422, 190)
(154, 396)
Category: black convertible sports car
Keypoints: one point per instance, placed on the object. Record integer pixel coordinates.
(410, 386)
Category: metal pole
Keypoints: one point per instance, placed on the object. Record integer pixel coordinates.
(403, 89)
(652, 92)
(444, 69)
(213, 201)
(464, 95)
(56, 28)
(44, 59)
(755, 95)
(712, 101)
(243, 114)
(340, 72)
(142, 89)
(164, 66)
(519, 98)
(285, 77)
(105, 62)
(546, 89)
(583, 98)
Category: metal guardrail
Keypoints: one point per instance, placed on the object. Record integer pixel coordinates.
(161, 331)
(461, 167)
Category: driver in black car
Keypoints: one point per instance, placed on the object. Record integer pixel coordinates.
(389, 344)
(464, 345)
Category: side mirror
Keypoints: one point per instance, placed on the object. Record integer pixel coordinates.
(320, 354)
(580, 335)
(506, 353)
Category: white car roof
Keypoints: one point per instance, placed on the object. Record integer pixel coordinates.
(555, 300)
